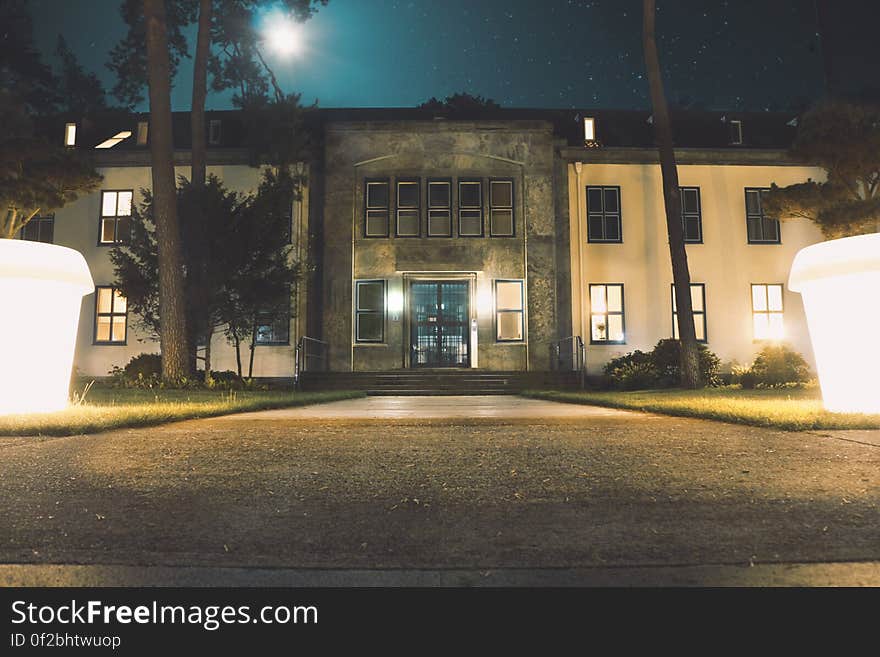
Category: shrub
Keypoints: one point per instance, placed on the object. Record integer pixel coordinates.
(777, 366)
(145, 366)
(666, 356)
(226, 380)
(632, 371)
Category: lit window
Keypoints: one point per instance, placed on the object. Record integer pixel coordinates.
(115, 139)
(70, 134)
(767, 311)
(470, 208)
(39, 229)
(369, 311)
(273, 326)
(115, 216)
(409, 211)
(736, 132)
(761, 229)
(606, 313)
(589, 129)
(111, 316)
(501, 208)
(376, 208)
(143, 133)
(603, 214)
(698, 305)
(214, 132)
(439, 208)
(691, 215)
(509, 311)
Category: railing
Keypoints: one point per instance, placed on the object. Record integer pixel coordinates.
(311, 356)
(569, 355)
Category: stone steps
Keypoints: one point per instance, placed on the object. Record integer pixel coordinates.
(434, 382)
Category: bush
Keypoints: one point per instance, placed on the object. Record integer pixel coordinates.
(226, 380)
(666, 356)
(633, 371)
(777, 366)
(144, 365)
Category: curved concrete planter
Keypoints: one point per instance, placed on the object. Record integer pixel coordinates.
(41, 290)
(840, 284)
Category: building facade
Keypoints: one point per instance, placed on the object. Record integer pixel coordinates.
(480, 242)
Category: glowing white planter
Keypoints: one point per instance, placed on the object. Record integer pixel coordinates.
(840, 284)
(41, 290)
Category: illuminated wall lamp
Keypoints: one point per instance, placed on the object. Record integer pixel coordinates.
(840, 284)
(41, 290)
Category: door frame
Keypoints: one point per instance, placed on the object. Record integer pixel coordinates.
(440, 277)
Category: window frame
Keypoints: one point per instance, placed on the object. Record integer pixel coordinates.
(736, 132)
(375, 208)
(511, 208)
(607, 313)
(768, 312)
(358, 311)
(698, 215)
(101, 217)
(760, 216)
(439, 208)
(407, 180)
(40, 221)
(272, 343)
(111, 342)
(215, 132)
(604, 214)
(521, 310)
(702, 312)
(471, 208)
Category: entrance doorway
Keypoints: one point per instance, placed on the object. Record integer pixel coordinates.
(440, 323)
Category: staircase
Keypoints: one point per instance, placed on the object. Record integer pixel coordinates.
(437, 382)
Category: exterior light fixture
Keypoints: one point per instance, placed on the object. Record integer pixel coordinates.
(41, 290)
(840, 284)
(115, 139)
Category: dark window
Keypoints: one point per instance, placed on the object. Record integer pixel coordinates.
(691, 215)
(369, 311)
(603, 214)
(111, 316)
(470, 208)
(273, 327)
(761, 229)
(698, 303)
(376, 208)
(501, 208)
(40, 229)
(606, 314)
(509, 325)
(214, 132)
(439, 208)
(736, 132)
(409, 212)
(115, 216)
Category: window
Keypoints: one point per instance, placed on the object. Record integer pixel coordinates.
(376, 209)
(115, 216)
(589, 129)
(691, 215)
(409, 213)
(143, 132)
(698, 304)
(767, 311)
(214, 131)
(111, 316)
(70, 134)
(115, 139)
(470, 208)
(603, 214)
(439, 208)
(370, 311)
(606, 313)
(273, 328)
(39, 229)
(761, 229)
(736, 132)
(509, 311)
(501, 208)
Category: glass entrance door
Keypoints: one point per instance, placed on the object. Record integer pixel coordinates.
(440, 334)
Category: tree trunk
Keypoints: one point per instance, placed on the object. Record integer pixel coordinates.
(208, 356)
(253, 347)
(690, 358)
(200, 94)
(237, 342)
(173, 338)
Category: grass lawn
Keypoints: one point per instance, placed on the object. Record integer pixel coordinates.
(789, 409)
(108, 408)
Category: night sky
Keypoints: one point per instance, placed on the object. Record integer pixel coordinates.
(741, 54)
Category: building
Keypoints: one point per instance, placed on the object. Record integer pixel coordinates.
(483, 241)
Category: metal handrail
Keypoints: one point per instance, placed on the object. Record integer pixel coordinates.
(305, 356)
(571, 359)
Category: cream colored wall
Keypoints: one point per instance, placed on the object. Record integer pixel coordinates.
(725, 261)
(76, 226)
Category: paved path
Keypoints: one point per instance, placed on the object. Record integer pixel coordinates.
(442, 490)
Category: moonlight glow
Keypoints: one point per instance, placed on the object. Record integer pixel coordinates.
(840, 284)
(41, 290)
(283, 35)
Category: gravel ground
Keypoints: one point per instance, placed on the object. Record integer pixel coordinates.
(597, 488)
